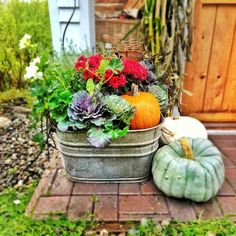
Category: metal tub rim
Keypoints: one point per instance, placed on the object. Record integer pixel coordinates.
(129, 131)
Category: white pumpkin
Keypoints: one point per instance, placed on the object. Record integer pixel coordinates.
(174, 128)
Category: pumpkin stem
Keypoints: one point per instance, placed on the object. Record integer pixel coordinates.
(134, 89)
(187, 150)
(176, 117)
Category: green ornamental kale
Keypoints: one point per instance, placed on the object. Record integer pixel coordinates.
(160, 93)
(120, 108)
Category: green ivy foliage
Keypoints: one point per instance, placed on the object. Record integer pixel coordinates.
(18, 18)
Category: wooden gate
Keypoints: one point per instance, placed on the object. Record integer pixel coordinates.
(211, 75)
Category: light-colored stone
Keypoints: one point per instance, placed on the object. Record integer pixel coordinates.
(104, 232)
(165, 222)
(4, 122)
(8, 161)
(20, 183)
(21, 109)
(90, 233)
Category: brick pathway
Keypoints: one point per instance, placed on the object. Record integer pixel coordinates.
(119, 203)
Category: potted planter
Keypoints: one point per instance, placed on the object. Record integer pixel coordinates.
(127, 159)
(107, 130)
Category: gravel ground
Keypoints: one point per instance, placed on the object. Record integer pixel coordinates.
(20, 158)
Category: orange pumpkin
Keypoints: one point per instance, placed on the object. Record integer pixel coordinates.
(147, 108)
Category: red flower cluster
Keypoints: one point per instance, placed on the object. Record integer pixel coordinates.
(117, 81)
(94, 62)
(81, 63)
(134, 69)
(88, 67)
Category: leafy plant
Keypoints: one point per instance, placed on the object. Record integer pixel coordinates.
(103, 117)
(18, 18)
(53, 94)
(119, 108)
(160, 93)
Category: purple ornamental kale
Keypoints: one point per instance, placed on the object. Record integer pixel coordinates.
(84, 107)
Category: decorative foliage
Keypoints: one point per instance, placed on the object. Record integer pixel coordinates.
(85, 107)
(98, 138)
(160, 93)
(120, 108)
(87, 96)
(169, 39)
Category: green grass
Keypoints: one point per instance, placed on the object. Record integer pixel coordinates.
(13, 221)
(213, 227)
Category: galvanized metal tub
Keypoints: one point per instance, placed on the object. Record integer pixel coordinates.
(127, 159)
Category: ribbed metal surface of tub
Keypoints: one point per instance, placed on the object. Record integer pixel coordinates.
(126, 159)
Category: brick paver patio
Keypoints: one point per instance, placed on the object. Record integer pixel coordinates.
(117, 203)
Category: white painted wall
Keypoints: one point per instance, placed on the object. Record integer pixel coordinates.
(81, 30)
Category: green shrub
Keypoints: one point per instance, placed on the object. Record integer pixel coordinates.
(14, 94)
(18, 18)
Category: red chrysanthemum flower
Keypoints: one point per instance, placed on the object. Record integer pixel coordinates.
(117, 81)
(81, 63)
(135, 69)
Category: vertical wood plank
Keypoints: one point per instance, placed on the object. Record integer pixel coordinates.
(55, 25)
(219, 60)
(196, 70)
(189, 66)
(229, 101)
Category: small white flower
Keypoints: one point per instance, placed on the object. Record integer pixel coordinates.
(25, 41)
(31, 72)
(16, 202)
(39, 74)
(36, 61)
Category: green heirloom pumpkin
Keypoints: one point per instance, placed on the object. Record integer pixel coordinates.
(189, 168)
